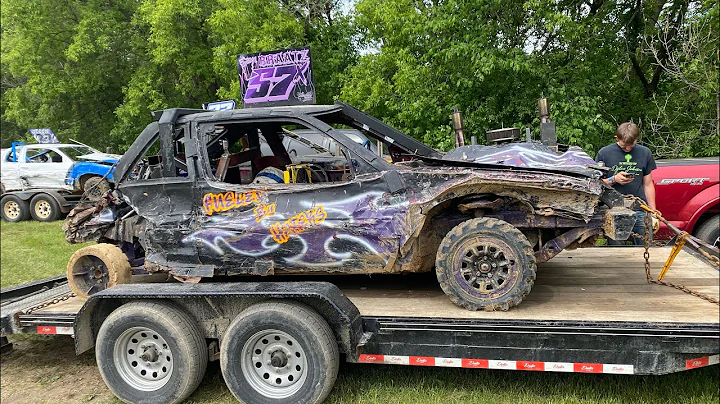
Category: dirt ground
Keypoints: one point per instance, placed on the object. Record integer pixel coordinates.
(44, 369)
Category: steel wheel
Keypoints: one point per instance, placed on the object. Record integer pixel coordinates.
(12, 210)
(90, 274)
(97, 267)
(274, 363)
(43, 209)
(143, 359)
(487, 266)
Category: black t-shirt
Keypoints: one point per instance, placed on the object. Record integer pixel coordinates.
(638, 161)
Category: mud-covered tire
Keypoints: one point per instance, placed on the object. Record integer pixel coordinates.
(709, 231)
(279, 352)
(485, 264)
(97, 267)
(14, 209)
(95, 187)
(44, 208)
(173, 342)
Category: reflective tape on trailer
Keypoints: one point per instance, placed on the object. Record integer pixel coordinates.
(577, 367)
(54, 330)
(701, 362)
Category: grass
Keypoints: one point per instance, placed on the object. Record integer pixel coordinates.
(33, 250)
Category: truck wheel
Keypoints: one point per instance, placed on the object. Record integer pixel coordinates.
(279, 352)
(709, 231)
(97, 267)
(95, 187)
(14, 209)
(485, 264)
(151, 352)
(44, 208)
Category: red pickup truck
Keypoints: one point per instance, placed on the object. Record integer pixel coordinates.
(687, 194)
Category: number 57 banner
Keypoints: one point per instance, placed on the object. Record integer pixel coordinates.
(281, 77)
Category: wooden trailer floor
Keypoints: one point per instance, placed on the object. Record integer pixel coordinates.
(591, 284)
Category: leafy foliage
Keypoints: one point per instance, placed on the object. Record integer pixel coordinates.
(93, 70)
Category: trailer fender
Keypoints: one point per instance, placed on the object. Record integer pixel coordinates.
(208, 301)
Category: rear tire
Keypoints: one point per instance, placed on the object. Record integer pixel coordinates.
(97, 267)
(151, 352)
(485, 264)
(14, 209)
(44, 208)
(279, 352)
(709, 231)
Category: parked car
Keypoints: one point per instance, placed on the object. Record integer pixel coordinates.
(688, 196)
(69, 167)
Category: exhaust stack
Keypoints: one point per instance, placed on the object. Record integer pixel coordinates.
(457, 124)
(548, 134)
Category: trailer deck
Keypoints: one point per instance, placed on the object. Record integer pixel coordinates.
(591, 310)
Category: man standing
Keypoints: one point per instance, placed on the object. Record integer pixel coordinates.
(631, 168)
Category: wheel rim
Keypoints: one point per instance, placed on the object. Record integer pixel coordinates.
(90, 274)
(12, 209)
(143, 359)
(43, 209)
(274, 364)
(486, 267)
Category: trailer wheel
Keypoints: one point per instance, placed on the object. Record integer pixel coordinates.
(279, 352)
(97, 267)
(14, 209)
(485, 264)
(151, 352)
(95, 187)
(709, 231)
(44, 208)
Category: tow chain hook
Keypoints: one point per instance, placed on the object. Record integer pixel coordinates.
(679, 244)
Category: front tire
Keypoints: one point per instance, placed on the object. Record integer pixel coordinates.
(151, 352)
(97, 267)
(485, 264)
(279, 352)
(95, 187)
(14, 209)
(44, 208)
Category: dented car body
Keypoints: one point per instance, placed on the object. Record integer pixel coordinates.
(182, 204)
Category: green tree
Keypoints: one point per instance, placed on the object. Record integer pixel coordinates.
(65, 65)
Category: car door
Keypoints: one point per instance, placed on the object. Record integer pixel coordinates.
(44, 167)
(346, 225)
(160, 192)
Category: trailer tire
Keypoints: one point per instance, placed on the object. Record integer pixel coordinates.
(709, 231)
(279, 352)
(97, 267)
(485, 264)
(44, 208)
(95, 187)
(14, 209)
(174, 353)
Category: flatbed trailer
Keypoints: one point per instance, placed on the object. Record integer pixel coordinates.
(591, 311)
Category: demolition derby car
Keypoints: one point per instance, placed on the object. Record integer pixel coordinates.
(196, 196)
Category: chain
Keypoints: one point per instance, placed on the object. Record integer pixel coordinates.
(646, 255)
(49, 303)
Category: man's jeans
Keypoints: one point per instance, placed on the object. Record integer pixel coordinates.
(638, 228)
